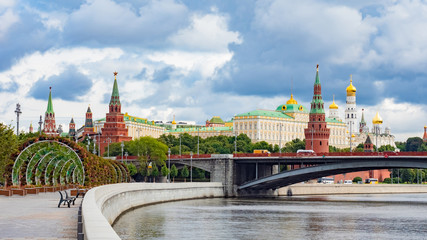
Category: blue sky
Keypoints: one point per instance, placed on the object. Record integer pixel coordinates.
(198, 59)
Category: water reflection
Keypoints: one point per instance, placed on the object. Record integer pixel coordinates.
(324, 217)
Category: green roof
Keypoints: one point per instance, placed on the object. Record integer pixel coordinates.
(49, 103)
(292, 108)
(202, 129)
(216, 120)
(131, 119)
(64, 134)
(333, 120)
(267, 113)
(115, 97)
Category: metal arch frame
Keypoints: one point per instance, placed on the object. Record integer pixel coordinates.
(41, 157)
(15, 166)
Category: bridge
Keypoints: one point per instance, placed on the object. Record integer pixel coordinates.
(259, 173)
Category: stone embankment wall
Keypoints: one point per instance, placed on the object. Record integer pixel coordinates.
(319, 189)
(102, 205)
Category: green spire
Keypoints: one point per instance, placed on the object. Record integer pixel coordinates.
(49, 103)
(317, 104)
(115, 97)
(317, 82)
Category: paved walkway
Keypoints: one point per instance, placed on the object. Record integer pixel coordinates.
(37, 217)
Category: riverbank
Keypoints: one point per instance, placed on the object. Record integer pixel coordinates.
(327, 189)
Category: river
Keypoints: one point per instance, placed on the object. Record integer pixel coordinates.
(379, 216)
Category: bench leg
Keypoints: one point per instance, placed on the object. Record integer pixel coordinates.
(68, 204)
(59, 204)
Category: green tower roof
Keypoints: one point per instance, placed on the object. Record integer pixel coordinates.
(115, 97)
(49, 103)
(317, 105)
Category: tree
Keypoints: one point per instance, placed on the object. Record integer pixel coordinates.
(261, 145)
(387, 180)
(132, 169)
(407, 175)
(165, 171)
(412, 144)
(294, 145)
(386, 148)
(185, 173)
(422, 148)
(357, 179)
(155, 172)
(174, 172)
(401, 146)
(149, 150)
(8, 146)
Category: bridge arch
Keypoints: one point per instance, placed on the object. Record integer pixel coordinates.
(304, 174)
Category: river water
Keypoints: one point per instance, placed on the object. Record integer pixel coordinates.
(385, 216)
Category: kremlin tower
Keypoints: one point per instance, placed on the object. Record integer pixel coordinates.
(362, 124)
(316, 133)
(72, 128)
(49, 118)
(350, 111)
(88, 130)
(114, 129)
(31, 128)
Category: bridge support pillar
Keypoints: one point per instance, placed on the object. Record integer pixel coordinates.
(222, 170)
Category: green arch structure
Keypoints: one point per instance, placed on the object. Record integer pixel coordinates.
(48, 162)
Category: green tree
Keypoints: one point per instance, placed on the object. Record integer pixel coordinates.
(174, 172)
(8, 146)
(165, 171)
(413, 143)
(185, 173)
(294, 145)
(149, 150)
(387, 180)
(357, 179)
(155, 173)
(132, 169)
(401, 146)
(407, 175)
(261, 146)
(423, 147)
(386, 148)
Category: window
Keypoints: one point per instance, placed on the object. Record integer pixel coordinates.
(320, 143)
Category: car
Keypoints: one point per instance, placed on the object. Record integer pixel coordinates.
(348, 182)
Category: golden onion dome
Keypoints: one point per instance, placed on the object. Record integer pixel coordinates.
(377, 119)
(333, 105)
(351, 90)
(173, 121)
(292, 100)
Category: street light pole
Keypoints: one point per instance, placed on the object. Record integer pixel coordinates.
(17, 111)
(280, 139)
(94, 144)
(122, 145)
(88, 142)
(198, 137)
(351, 136)
(126, 155)
(180, 145)
(191, 166)
(40, 125)
(235, 142)
(169, 164)
(108, 146)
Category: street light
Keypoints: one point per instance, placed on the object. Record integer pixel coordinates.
(94, 145)
(180, 145)
(122, 145)
(108, 146)
(280, 139)
(169, 164)
(17, 111)
(40, 124)
(126, 155)
(88, 142)
(198, 137)
(191, 166)
(235, 143)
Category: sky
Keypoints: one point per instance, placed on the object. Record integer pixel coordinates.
(198, 59)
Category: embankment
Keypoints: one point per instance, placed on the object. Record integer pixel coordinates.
(102, 205)
(325, 189)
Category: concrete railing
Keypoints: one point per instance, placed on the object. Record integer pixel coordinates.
(102, 205)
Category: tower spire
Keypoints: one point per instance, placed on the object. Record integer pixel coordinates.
(49, 103)
(115, 96)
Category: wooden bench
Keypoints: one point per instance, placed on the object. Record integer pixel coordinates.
(66, 200)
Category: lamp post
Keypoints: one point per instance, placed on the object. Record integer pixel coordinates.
(280, 139)
(351, 135)
(198, 137)
(88, 142)
(94, 145)
(126, 155)
(40, 125)
(191, 166)
(17, 111)
(169, 164)
(108, 146)
(99, 143)
(122, 145)
(235, 143)
(180, 145)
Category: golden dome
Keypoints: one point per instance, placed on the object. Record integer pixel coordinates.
(292, 100)
(173, 121)
(351, 90)
(377, 119)
(333, 105)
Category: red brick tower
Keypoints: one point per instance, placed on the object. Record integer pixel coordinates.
(88, 130)
(114, 129)
(72, 129)
(368, 146)
(31, 128)
(49, 118)
(316, 133)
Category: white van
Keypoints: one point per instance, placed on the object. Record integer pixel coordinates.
(348, 182)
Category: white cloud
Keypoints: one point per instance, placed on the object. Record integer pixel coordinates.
(7, 19)
(206, 33)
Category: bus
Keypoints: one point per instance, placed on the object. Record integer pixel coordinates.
(371, 181)
(326, 180)
(303, 152)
